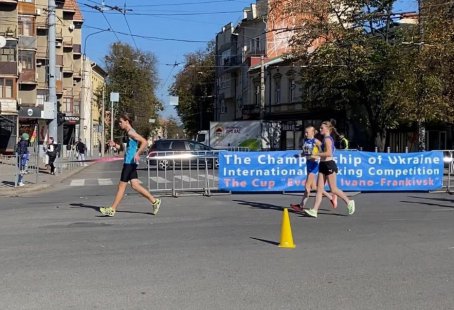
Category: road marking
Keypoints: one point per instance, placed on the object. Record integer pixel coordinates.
(210, 177)
(105, 182)
(159, 180)
(185, 178)
(77, 182)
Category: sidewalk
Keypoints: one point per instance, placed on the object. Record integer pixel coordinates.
(45, 181)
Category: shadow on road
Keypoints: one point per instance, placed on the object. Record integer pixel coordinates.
(267, 206)
(82, 205)
(266, 241)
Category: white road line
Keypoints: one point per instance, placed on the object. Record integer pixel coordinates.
(210, 177)
(105, 182)
(77, 182)
(159, 180)
(185, 178)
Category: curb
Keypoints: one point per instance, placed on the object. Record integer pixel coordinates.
(17, 191)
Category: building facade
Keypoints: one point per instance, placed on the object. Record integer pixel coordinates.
(24, 70)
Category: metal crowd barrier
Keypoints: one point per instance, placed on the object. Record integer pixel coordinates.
(186, 172)
(9, 170)
(448, 174)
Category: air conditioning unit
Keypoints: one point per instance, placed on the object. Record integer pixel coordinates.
(58, 44)
(38, 12)
(39, 63)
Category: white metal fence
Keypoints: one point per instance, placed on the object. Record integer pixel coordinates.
(183, 172)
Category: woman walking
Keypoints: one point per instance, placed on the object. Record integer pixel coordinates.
(51, 151)
(129, 172)
(310, 147)
(328, 171)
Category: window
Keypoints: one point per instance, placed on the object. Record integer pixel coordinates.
(68, 104)
(277, 90)
(41, 97)
(291, 90)
(6, 88)
(257, 94)
(27, 60)
(8, 52)
(178, 146)
(26, 27)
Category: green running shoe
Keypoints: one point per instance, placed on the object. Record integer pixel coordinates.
(107, 211)
(311, 213)
(156, 206)
(351, 207)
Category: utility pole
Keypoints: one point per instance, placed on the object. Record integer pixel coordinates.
(53, 125)
(103, 133)
(262, 87)
(421, 126)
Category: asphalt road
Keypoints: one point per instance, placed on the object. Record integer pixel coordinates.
(220, 252)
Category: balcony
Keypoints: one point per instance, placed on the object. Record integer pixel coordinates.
(41, 54)
(8, 31)
(27, 76)
(68, 68)
(27, 43)
(8, 67)
(288, 108)
(77, 74)
(27, 8)
(251, 109)
(68, 42)
(59, 86)
(77, 49)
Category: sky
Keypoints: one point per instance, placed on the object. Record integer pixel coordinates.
(169, 29)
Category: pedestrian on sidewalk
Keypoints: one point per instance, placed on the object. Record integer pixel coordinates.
(310, 146)
(22, 157)
(328, 171)
(136, 144)
(52, 152)
(81, 148)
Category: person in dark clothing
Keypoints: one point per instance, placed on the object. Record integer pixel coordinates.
(81, 148)
(343, 142)
(22, 157)
(51, 151)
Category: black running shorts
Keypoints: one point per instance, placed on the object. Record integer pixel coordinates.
(129, 172)
(327, 167)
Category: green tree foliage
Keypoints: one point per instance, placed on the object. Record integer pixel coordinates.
(357, 58)
(426, 87)
(194, 85)
(132, 73)
(172, 130)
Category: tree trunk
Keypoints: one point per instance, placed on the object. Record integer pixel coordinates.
(380, 140)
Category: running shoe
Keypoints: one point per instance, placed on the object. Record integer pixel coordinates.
(334, 201)
(107, 211)
(311, 212)
(156, 206)
(296, 207)
(351, 207)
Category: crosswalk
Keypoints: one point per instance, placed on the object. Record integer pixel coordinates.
(158, 180)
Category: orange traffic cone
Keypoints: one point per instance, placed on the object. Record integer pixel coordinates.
(286, 232)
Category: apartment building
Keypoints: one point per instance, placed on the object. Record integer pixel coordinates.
(24, 69)
(254, 78)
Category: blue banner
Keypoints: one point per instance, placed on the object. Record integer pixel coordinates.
(358, 171)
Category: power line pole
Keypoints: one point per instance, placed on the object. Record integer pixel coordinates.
(262, 87)
(421, 125)
(53, 125)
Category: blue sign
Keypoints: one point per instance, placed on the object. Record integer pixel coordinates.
(358, 171)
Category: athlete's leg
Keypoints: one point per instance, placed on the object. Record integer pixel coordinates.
(141, 190)
(310, 184)
(120, 193)
(334, 189)
(320, 189)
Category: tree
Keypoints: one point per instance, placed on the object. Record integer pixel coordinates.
(426, 88)
(194, 85)
(350, 55)
(171, 129)
(132, 73)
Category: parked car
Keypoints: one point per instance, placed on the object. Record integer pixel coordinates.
(169, 152)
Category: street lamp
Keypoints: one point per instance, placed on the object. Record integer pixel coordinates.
(85, 95)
